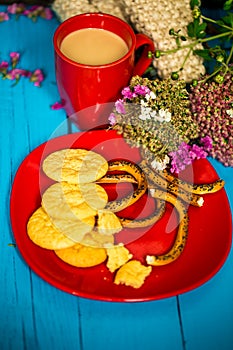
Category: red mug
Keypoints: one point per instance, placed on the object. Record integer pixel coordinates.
(89, 91)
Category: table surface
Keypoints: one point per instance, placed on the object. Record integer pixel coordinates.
(36, 315)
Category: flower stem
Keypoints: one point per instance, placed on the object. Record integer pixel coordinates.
(198, 41)
(186, 58)
(229, 56)
(215, 22)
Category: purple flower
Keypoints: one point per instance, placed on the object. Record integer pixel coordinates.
(127, 93)
(112, 119)
(207, 143)
(120, 108)
(180, 158)
(185, 155)
(197, 152)
(141, 90)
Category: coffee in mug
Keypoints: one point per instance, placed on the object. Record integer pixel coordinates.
(93, 46)
(89, 85)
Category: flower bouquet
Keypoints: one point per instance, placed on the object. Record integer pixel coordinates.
(175, 121)
(155, 116)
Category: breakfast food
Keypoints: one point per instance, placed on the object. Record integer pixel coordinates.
(147, 221)
(108, 222)
(77, 221)
(82, 256)
(75, 165)
(193, 188)
(81, 200)
(137, 173)
(118, 255)
(96, 239)
(181, 236)
(132, 274)
(42, 232)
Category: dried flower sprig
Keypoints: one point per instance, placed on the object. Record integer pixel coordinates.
(212, 109)
(197, 32)
(9, 70)
(32, 12)
(155, 116)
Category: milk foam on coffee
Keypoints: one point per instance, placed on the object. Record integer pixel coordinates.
(93, 46)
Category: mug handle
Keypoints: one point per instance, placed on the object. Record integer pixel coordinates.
(143, 61)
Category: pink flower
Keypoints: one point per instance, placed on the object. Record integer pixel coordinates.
(16, 73)
(14, 58)
(12, 8)
(127, 93)
(37, 77)
(4, 65)
(47, 13)
(120, 108)
(185, 155)
(3, 17)
(112, 119)
(141, 90)
(207, 143)
(197, 152)
(16, 8)
(58, 105)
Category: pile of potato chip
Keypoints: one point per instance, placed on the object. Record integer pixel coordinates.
(72, 219)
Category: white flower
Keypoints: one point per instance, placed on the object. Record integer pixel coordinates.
(164, 116)
(150, 95)
(145, 113)
(148, 113)
(160, 164)
(230, 112)
(144, 103)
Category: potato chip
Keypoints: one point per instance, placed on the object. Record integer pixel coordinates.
(43, 233)
(82, 256)
(118, 255)
(133, 274)
(75, 165)
(108, 223)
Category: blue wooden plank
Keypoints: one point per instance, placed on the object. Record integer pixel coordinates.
(136, 326)
(207, 311)
(34, 315)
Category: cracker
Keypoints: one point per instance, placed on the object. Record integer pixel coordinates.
(108, 223)
(82, 256)
(118, 255)
(43, 233)
(96, 239)
(132, 274)
(83, 200)
(75, 165)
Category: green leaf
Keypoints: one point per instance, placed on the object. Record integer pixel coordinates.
(204, 54)
(228, 5)
(226, 20)
(196, 29)
(194, 3)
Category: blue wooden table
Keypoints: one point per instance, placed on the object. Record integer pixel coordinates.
(36, 315)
